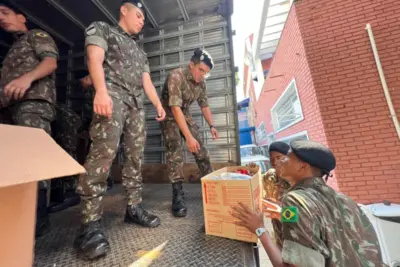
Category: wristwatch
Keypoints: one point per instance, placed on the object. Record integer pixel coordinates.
(212, 126)
(260, 231)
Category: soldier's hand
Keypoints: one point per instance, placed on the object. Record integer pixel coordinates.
(103, 105)
(17, 88)
(160, 113)
(214, 133)
(193, 145)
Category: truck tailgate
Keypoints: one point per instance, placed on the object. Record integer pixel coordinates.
(187, 243)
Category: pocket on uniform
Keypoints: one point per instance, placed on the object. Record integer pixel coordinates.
(126, 54)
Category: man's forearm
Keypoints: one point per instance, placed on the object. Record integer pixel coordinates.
(181, 121)
(96, 72)
(274, 253)
(46, 67)
(208, 115)
(150, 90)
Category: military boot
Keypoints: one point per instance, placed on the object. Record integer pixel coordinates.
(137, 214)
(179, 208)
(91, 243)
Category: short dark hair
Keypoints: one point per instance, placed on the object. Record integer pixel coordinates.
(12, 7)
(201, 55)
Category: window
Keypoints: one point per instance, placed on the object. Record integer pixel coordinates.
(299, 136)
(287, 110)
(261, 133)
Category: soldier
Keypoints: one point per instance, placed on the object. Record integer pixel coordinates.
(65, 132)
(277, 151)
(120, 73)
(27, 85)
(182, 87)
(320, 227)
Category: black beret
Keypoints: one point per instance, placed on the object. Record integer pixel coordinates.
(280, 147)
(204, 57)
(12, 7)
(136, 3)
(315, 154)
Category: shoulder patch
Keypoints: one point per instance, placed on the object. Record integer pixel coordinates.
(91, 30)
(41, 34)
(289, 214)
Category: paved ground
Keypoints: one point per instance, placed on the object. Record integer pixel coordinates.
(264, 260)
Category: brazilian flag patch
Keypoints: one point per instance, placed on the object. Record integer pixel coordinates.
(289, 215)
(41, 34)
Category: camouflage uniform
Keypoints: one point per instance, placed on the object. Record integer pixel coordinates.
(181, 90)
(124, 65)
(66, 129)
(331, 229)
(36, 108)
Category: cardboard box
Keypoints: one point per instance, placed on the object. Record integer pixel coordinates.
(27, 155)
(220, 195)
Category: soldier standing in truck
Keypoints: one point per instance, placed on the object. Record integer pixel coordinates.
(120, 73)
(27, 86)
(182, 87)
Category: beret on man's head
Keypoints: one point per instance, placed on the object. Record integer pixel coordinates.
(203, 56)
(315, 154)
(12, 7)
(280, 147)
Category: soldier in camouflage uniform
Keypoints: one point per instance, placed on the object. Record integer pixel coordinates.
(120, 73)
(182, 87)
(320, 227)
(65, 133)
(277, 151)
(27, 85)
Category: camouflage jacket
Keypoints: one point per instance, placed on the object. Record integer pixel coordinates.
(181, 90)
(331, 229)
(24, 56)
(124, 62)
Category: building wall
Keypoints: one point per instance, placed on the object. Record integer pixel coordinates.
(290, 62)
(354, 111)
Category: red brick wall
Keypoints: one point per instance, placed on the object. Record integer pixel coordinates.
(350, 96)
(290, 62)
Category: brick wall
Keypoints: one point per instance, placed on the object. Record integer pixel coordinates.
(354, 111)
(290, 62)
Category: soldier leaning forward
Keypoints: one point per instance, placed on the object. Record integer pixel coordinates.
(121, 75)
(27, 85)
(320, 227)
(182, 87)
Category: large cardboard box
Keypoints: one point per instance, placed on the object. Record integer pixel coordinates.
(220, 195)
(27, 155)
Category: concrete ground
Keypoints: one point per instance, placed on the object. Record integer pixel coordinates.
(264, 259)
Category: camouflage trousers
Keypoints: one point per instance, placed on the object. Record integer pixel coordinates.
(128, 122)
(30, 113)
(174, 151)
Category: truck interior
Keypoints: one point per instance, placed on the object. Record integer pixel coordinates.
(174, 28)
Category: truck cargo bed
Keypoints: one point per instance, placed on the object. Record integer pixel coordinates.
(187, 243)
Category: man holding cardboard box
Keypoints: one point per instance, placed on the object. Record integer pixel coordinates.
(182, 87)
(27, 85)
(320, 227)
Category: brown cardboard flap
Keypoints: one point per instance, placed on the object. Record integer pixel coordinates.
(30, 154)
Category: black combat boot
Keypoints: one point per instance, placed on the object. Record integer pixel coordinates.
(137, 214)
(91, 243)
(179, 208)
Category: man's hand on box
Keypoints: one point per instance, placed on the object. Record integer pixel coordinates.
(247, 218)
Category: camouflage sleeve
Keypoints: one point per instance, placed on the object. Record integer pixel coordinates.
(43, 44)
(146, 67)
(174, 89)
(96, 34)
(301, 238)
(203, 99)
